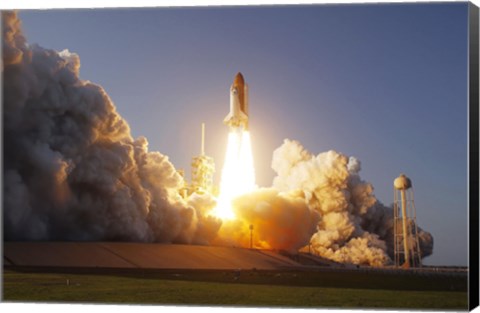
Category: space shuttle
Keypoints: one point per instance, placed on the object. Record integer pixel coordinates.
(238, 116)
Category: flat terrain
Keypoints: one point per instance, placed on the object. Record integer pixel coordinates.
(139, 255)
(236, 289)
(140, 273)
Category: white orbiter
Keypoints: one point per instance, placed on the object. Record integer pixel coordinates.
(238, 116)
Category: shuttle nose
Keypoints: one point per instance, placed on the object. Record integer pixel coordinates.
(238, 80)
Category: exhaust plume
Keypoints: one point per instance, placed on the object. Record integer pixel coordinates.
(72, 170)
(354, 226)
(280, 221)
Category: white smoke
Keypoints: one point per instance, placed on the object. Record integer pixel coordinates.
(354, 226)
(72, 171)
(280, 220)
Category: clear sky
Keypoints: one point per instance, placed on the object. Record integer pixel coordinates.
(384, 83)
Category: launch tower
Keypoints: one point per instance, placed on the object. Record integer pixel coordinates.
(203, 168)
(406, 244)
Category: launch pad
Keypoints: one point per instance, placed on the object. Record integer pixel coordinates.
(137, 273)
(140, 256)
(219, 264)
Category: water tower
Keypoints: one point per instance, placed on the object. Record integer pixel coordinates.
(406, 244)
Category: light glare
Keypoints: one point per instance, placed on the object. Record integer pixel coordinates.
(238, 174)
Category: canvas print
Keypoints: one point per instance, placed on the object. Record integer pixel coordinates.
(310, 156)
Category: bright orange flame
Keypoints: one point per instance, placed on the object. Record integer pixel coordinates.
(238, 174)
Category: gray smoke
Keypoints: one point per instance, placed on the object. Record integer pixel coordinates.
(354, 226)
(72, 171)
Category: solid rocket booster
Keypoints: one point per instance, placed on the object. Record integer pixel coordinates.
(238, 116)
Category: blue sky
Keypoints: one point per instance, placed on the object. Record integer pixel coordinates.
(384, 83)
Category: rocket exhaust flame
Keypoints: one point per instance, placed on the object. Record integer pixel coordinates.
(238, 175)
(72, 171)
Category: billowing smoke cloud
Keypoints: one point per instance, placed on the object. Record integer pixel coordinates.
(72, 171)
(280, 220)
(319, 201)
(354, 226)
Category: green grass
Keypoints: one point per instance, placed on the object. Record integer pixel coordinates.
(53, 287)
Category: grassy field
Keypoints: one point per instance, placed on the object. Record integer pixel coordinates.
(63, 287)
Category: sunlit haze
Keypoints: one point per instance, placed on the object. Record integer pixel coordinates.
(386, 84)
